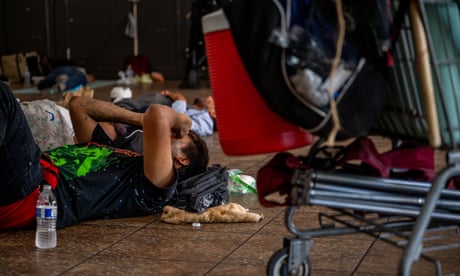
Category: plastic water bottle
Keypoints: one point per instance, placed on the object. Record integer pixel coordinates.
(27, 77)
(129, 72)
(46, 236)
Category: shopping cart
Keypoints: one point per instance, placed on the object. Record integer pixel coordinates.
(400, 212)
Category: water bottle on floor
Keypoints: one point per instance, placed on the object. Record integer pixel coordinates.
(46, 236)
(27, 77)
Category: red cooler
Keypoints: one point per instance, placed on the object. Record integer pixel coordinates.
(245, 123)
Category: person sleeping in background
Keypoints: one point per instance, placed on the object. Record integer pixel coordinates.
(65, 78)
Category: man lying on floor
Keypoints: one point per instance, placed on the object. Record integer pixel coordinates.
(202, 112)
(95, 181)
(127, 136)
(51, 124)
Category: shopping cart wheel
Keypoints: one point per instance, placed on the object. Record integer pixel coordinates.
(278, 265)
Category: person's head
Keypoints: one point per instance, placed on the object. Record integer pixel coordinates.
(191, 155)
(206, 103)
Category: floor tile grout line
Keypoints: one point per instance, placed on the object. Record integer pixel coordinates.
(244, 242)
(109, 246)
(363, 257)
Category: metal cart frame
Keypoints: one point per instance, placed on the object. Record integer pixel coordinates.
(412, 215)
(403, 209)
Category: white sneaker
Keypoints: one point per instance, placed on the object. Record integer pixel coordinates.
(119, 93)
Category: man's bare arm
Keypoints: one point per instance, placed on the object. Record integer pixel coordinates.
(161, 123)
(103, 111)
(86, 113)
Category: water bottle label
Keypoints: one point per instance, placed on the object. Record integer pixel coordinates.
(47, 213)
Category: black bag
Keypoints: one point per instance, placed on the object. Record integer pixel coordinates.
(202, 191)
(273, 51)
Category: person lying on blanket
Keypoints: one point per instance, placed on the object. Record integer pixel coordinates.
(95, 181)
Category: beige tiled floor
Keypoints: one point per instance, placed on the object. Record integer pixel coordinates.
(147, 246)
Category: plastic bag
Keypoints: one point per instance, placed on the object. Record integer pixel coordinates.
(239, 183)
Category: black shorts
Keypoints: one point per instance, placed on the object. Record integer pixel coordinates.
(133, 141)
(100, 137)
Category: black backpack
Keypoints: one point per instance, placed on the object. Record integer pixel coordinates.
(202, 191)
(272, 57)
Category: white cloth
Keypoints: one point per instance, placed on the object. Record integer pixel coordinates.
(50, 123)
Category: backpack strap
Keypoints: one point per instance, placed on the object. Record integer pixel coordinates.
(50, 171)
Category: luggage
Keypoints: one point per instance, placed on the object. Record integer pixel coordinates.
(14, 66)
(280, 54)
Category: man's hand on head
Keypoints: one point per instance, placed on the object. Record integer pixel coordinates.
(181, 126)
(175, 96)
